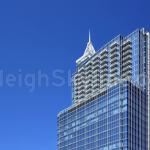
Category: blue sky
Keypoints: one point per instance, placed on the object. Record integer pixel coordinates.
(48, 35)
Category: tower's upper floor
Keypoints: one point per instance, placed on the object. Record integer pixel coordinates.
(121, 58)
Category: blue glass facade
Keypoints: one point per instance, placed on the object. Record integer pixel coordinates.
(111, 98)
(116, 120)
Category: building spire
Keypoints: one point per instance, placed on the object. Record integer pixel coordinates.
(89, 36)
(89, 51)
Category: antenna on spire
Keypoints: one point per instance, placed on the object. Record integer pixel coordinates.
(89, 36)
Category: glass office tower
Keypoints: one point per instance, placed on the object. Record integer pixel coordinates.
(110, 109)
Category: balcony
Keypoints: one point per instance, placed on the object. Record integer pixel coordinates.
(104, 66)
(127, 63)
(96, 85)
(103, 87)
(76, 89)
(127, 47)
(96, 75)
(88, 68)
(80, 89)
(127, 52)
(113, 45)
(89, 91)
(104, 82)
(114, 65)
(127, 74)
(89, 63)
(115, 59)
(105, 56)
(81, 92)
(128, 57)
(96, 71)
(89, 74)
(80, 79)
(104, 71)
(103, 77)
(97, 58)
(114, 50)
(114, 79)
(81, 96)
(81, 70)
(81, 84)
(88, 86)
(114, 55)
(126, 69)
(103, 52)
(105, 61)
(76, 76)
(96, 81)
(127, 42)
(114, 70)
(97, 66)
(96, 78)
(82, 74)
(75, 97)
(88, 71)
(88, 82)
(114, 76)
(97, 62)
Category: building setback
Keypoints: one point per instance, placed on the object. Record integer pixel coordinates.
(110, 109)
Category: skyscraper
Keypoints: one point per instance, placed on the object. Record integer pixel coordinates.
(110, 109)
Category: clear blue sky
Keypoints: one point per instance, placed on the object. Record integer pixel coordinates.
(49, 35)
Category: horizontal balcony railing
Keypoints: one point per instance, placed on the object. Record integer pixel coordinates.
(89, 74)
(103, 78)
(127, 63)
(96, 63)
(127, 74)
(76, 76)
(104, 83)
(127, 47)
(97, 66)
(104, 66)
(81, 79)
(104, 71)
(128, 57)
(127, 68)
(96, 59)
(81, 70)
(127, 42)
(114, 55)
(114, 50)
(115, 75)
(81, 83)
(96, 86)
(105, 61)
(81, 97)
(96, 71)
(114, 70)
(114, 65)
(96, 76)
(88, 92)
(114, 45)
(103, 57)
(115, 59)
(89, 63)
(88, 68)
(103, 52)
(81, 92)
(96, 80)
(128, 52)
